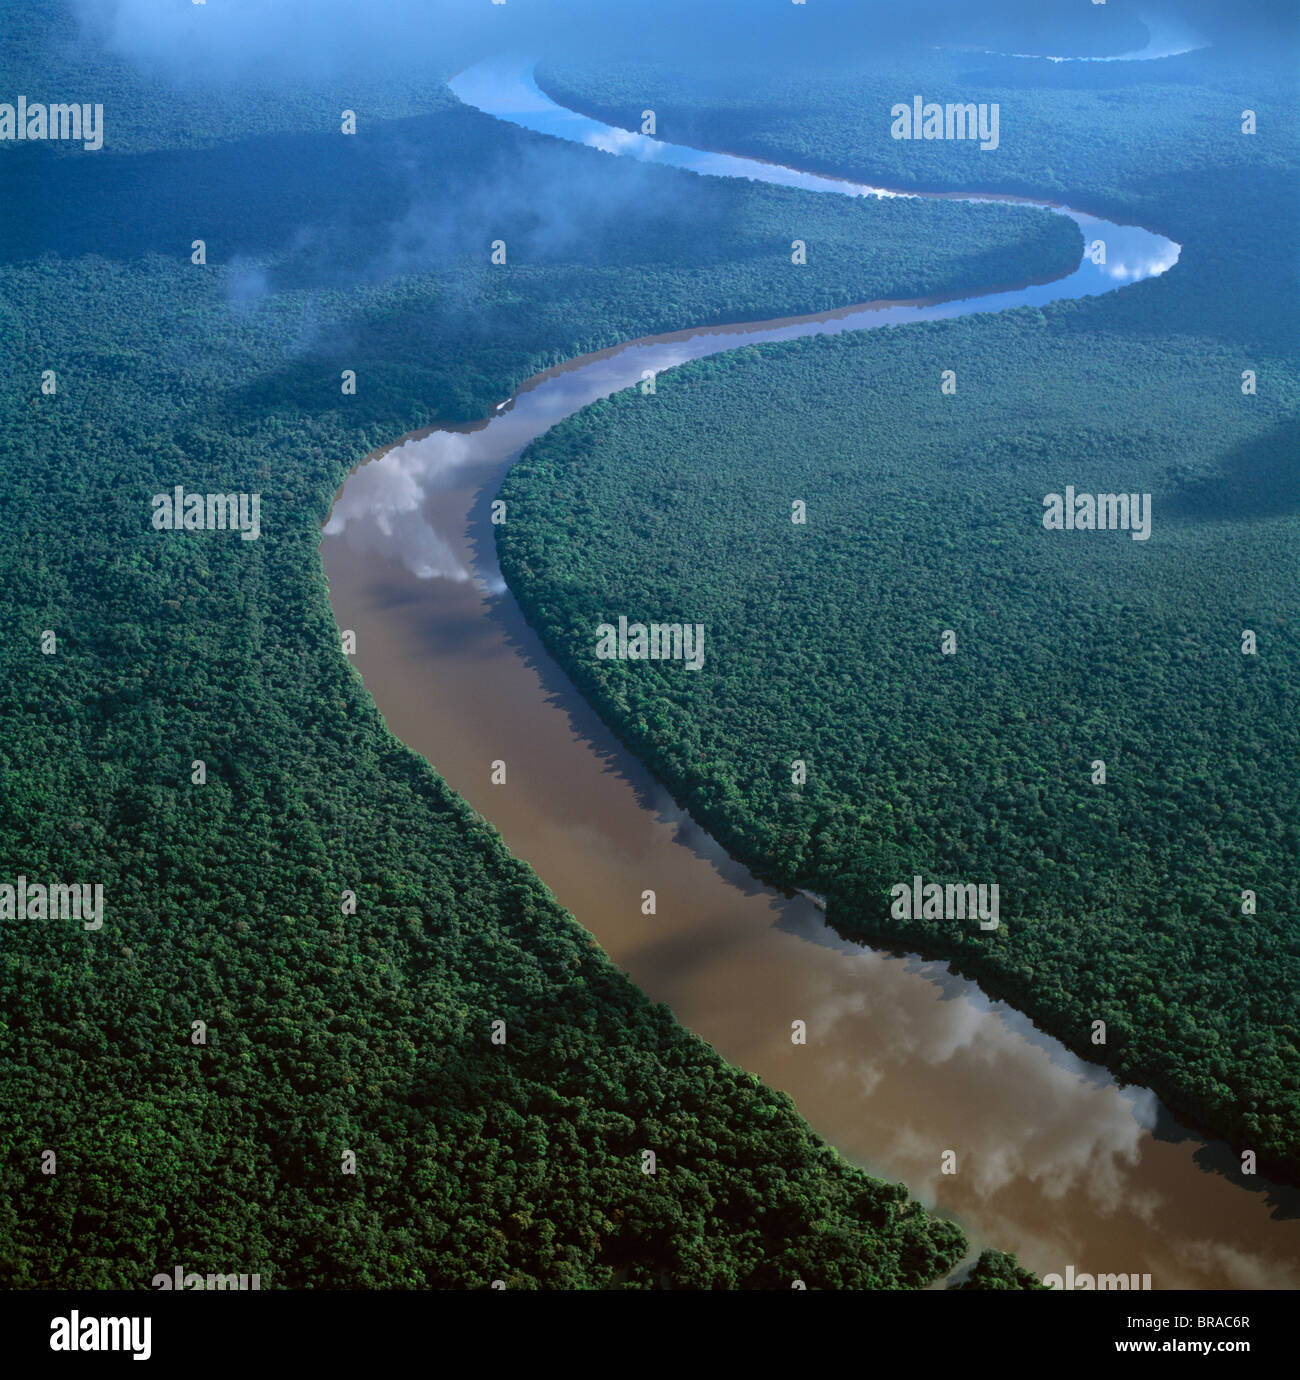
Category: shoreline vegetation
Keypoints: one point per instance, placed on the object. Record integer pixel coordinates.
(1198, 998)
(342, 927)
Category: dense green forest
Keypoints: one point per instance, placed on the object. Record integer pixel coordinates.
(329, 1032)
(1121, 902)
(998, 1270)
(1156, 144)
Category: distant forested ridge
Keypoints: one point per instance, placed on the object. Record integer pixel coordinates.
(1164, 903)
(329, 1033)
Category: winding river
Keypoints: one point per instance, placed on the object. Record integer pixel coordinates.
(904, 1060)
(1166, 37)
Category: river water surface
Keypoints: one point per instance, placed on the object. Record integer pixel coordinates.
(903, 1060)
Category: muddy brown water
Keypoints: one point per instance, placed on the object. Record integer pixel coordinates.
(903, 1060)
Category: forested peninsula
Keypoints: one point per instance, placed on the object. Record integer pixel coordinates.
(951, 674)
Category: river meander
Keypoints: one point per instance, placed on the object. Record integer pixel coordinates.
(903, 1059)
